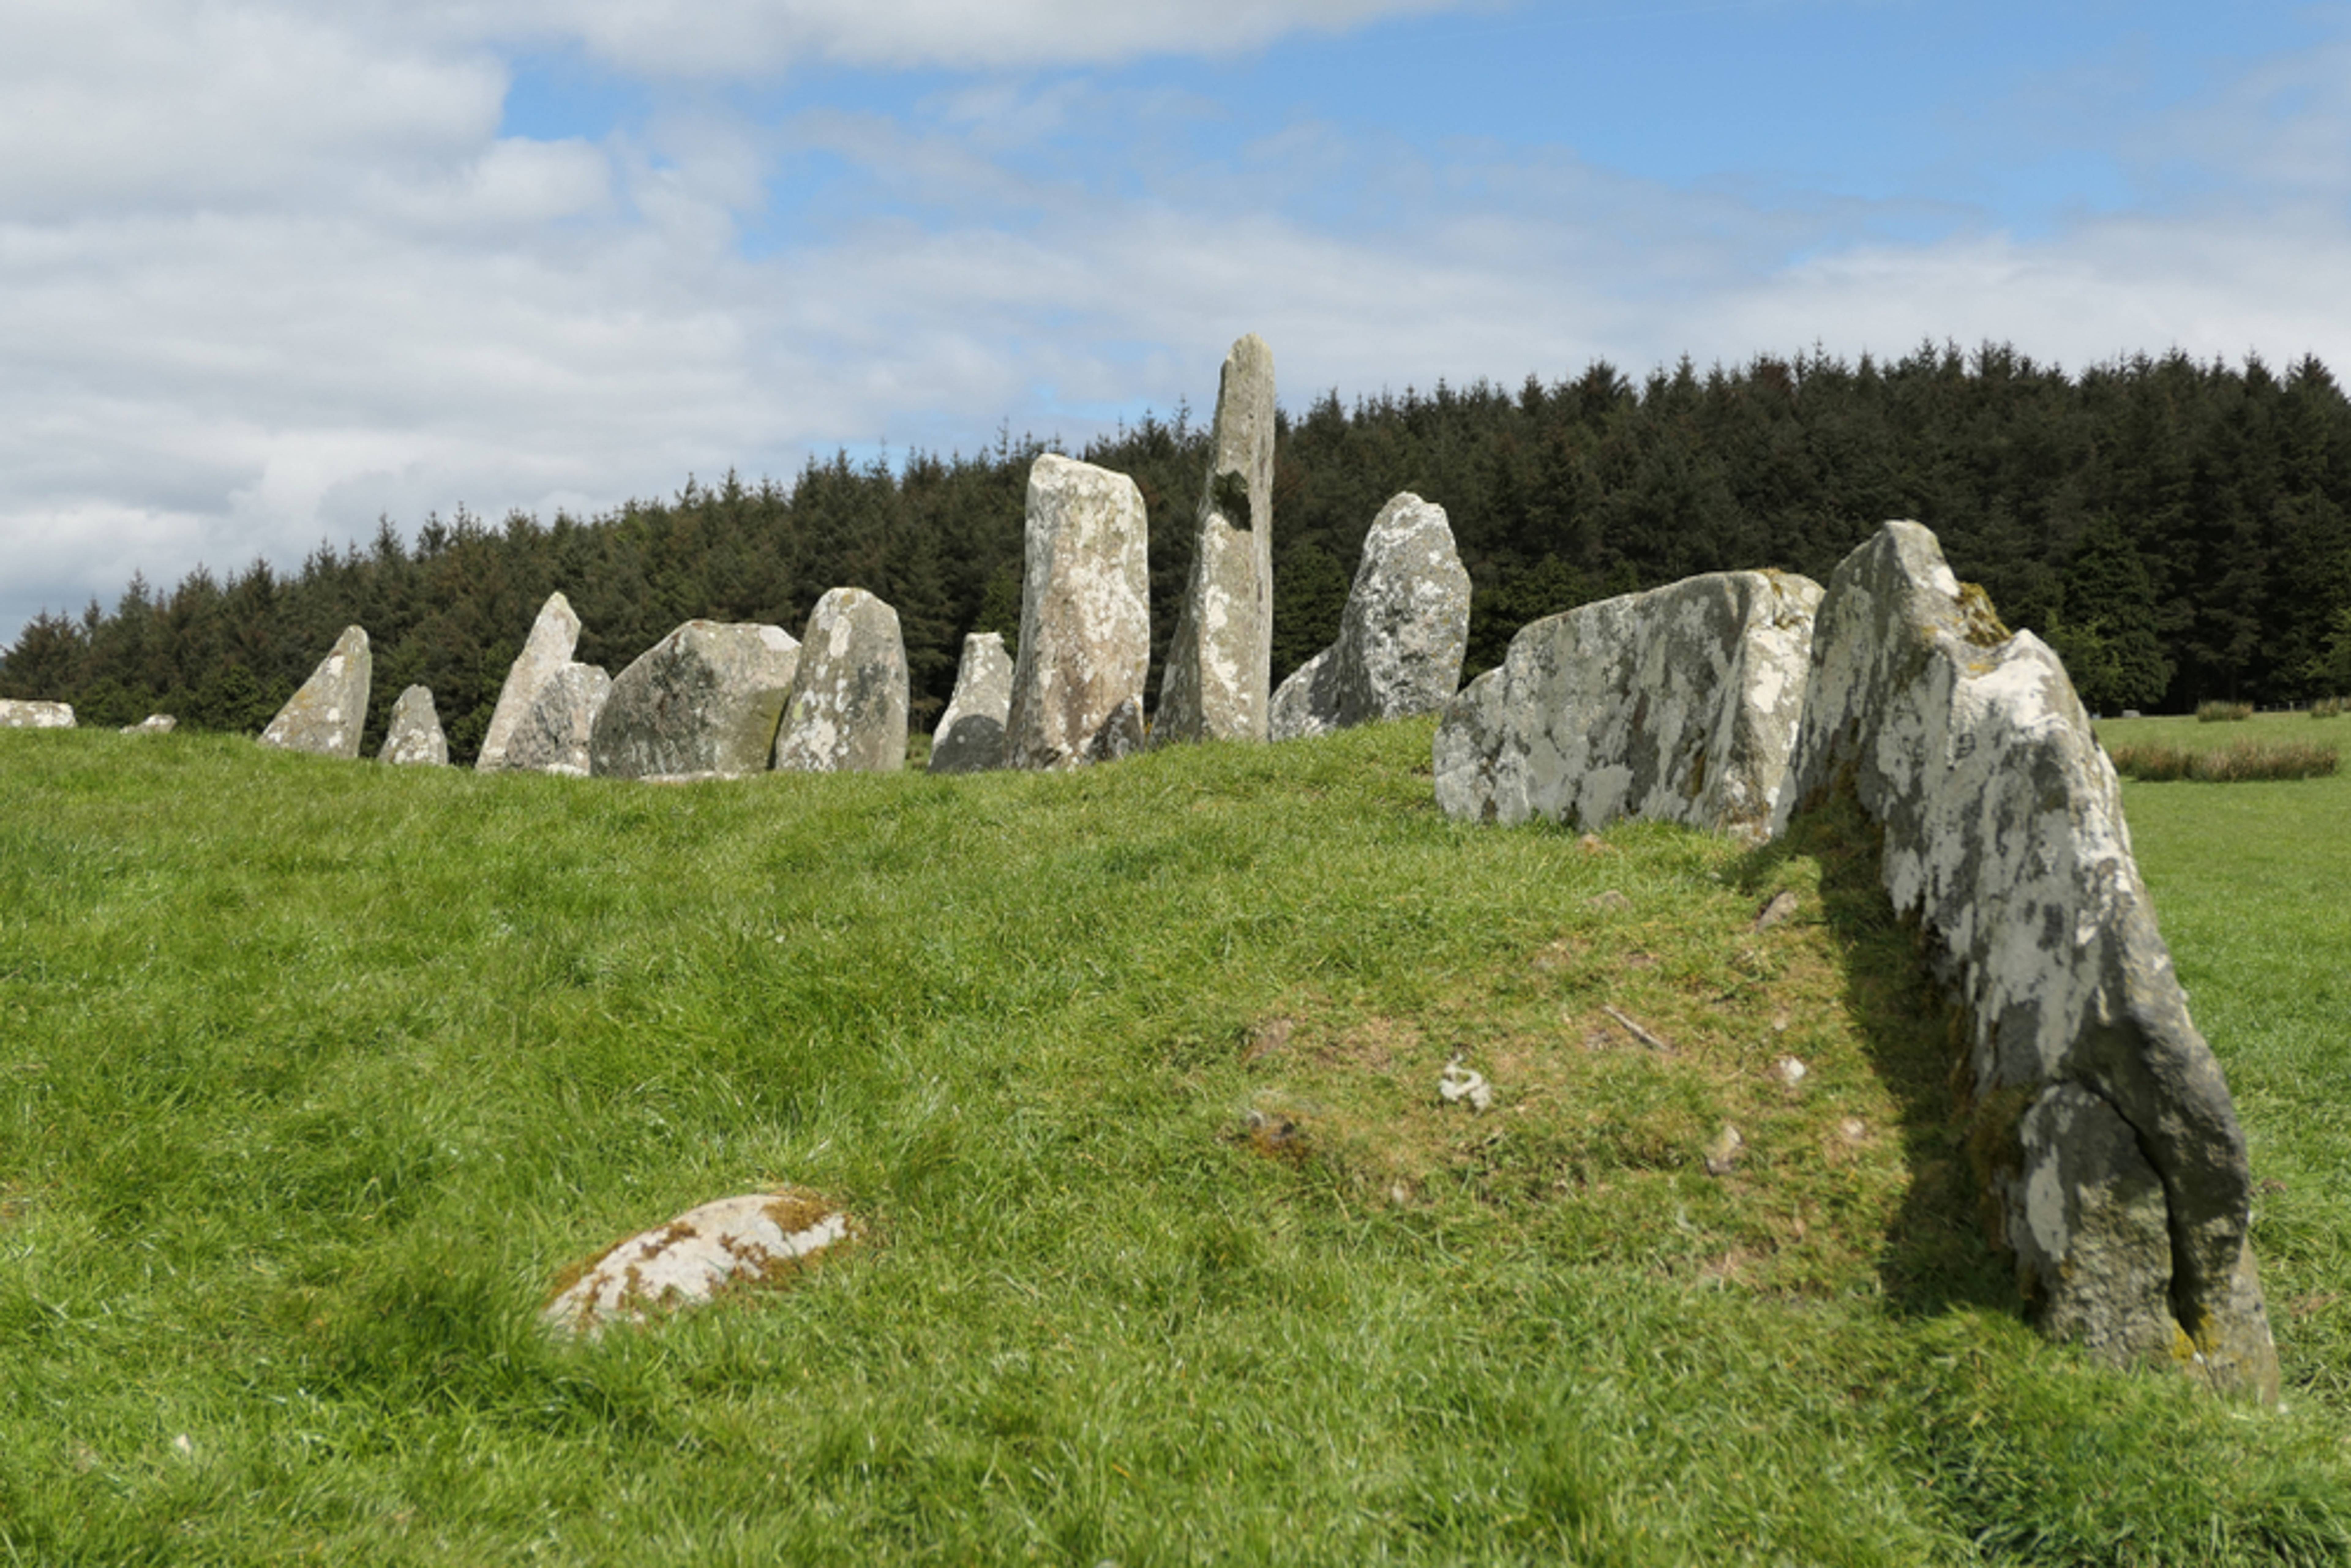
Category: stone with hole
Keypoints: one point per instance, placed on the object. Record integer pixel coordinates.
(1220, 667)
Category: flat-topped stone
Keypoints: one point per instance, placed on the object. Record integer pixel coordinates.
(703, 702)
(2100, 1121)
(328, 712)
(1220, 659)
(847, 712)
(1401, 635)
(736, 1246)
(154, 724)
(1680, 704)
(553, 636)
(413, 738)
(1085, 619)
(970, 734)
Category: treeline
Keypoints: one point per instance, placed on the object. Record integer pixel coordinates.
(2179, 530)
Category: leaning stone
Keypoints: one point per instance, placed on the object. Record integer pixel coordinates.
(1679, 705)
(413, 738)
(848, 707)
(552, 735)
(16, 713)
(154, 724)
(1401, 637)
(759, 1241)
(1220, 661)
(553, 635)
(969, 737)
(328, 712)
(701, 703)
(2002, 834)
(1085, 619)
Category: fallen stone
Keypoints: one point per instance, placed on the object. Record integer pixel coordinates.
(1680, 704)
(848, 707)
(2002, 834)
(553, 635)
(969, 737)
(1085, 619)
(328, 712)
(703, 702)
(1776, 908)
(760, 1241)
(413, 739)
(16, 713)
(1401, 635)
(1220, 660)
(1458, 1085)
(552, 735)
(154, 724)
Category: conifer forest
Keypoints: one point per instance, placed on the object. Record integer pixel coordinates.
(2179, 530)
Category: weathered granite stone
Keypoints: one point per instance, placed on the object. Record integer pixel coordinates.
(549, 648)
(1085, 619)
(759, 1241)
(848, 707)
(703, 702)
(1678, 703)
(328, 712)
(1220, 661)
(2003, 838)
(413, 738)
(154, 724)
(970, 734)
(16, 713)
(552, 735)
(1401, 637)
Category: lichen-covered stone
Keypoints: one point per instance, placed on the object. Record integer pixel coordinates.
(1401, 636)
(16, 713)
(1085, 619)
(327, 714)
(761, 1240)
(1220, 660)
(552, 735)
(2003, 838)
(704, 702)
(413, 738)
(970, 734)
(1680, 704)
(553, 635)
(847, 713)
(154, 724)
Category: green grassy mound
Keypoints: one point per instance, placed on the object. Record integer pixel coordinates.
(316, 1076)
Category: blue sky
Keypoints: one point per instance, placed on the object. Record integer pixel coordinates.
(270, 270)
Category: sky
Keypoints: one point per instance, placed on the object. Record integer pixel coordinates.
(272, 270)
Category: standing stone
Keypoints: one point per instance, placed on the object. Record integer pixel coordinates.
(552, 735)
(413, 738)
(2100, 1124)
(1085, 619)
(703, 702)
(970, 734)
(329, 712)
(848, 707)
(552, 638)
(1221, 662)
(1401, 637)
(154, 724)
(1680, 704)
(16, 713)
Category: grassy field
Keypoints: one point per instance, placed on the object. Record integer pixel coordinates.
(315, 1076)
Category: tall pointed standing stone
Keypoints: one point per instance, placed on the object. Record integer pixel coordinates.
(552, 637)
(1220, 665)
(1085, 619)
(847, 712)
(328, 714)
(970, 734)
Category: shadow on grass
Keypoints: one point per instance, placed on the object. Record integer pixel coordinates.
(1937, 1254)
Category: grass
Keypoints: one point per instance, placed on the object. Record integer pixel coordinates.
(2156, 763)
(2216, 712)
(315, 1076)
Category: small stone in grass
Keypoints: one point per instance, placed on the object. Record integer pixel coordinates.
(1457, 1084)
(1611, 899)
(1723, 1152)
(1789, 1070)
